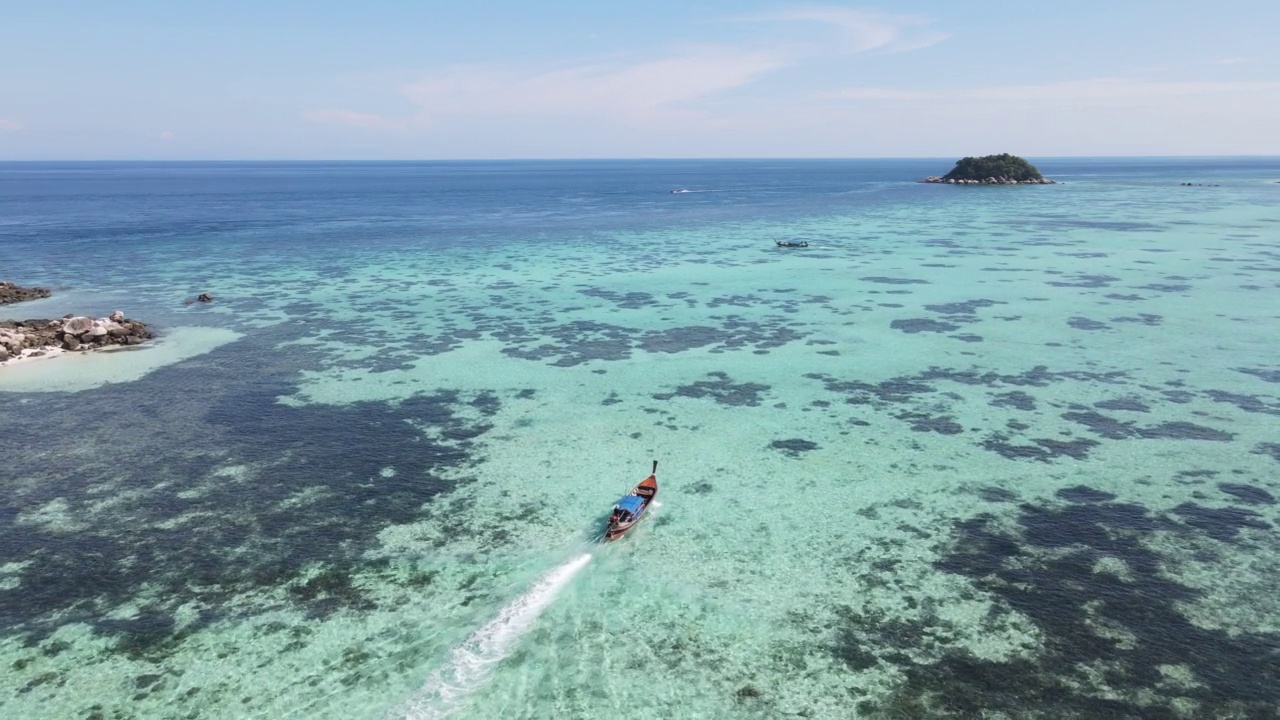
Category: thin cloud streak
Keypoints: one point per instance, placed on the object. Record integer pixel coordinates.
(627, 93)
(664, 89)
(1110, 89)
(863, 30)
(10, 125)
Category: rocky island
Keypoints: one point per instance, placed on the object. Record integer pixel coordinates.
(35, 338)
(1002, 169)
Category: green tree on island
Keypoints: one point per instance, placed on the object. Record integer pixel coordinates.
(996, 166)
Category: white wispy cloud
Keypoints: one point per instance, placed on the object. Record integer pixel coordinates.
(1108, 89)
(165, 136)
(1231, 61)
(665, 88)
(676, 85)
(7, 124)
(863, 30)
(623, 92)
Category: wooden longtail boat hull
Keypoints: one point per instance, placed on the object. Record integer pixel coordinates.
(632, 507)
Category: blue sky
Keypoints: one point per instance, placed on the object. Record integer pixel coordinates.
(552, 79)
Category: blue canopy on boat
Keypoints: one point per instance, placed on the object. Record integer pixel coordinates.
(631, 503)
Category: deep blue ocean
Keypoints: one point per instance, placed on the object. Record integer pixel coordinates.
(972, 452)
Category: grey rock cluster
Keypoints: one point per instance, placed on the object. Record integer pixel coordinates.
(10, 293)
(70, 333)
(989, 181)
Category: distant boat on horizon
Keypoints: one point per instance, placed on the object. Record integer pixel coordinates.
(680, 190)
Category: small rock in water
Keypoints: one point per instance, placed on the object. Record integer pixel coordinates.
(10, 293)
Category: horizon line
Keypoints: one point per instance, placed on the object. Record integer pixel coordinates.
(621, 158)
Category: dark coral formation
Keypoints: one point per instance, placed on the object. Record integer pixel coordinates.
(794, 446)
(1250, 494)
(316, 494)
(720, 388)
(919, 325)
(1117, 640)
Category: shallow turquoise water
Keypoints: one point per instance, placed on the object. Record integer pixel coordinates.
(1002, 450)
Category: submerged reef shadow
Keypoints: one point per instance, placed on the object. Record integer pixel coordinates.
(196, 486)
(720, 388)
(1117, 640)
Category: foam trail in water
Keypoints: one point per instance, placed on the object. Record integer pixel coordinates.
(471, 663)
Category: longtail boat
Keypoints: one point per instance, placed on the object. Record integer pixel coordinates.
(632, 506)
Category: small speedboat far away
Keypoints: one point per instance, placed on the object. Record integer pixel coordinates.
(680, 190)
(632, 506)
(791, 243)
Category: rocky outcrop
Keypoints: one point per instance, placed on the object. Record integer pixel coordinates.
(1002, 169)
(10, 293)
(73, 333)
(988, 181)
